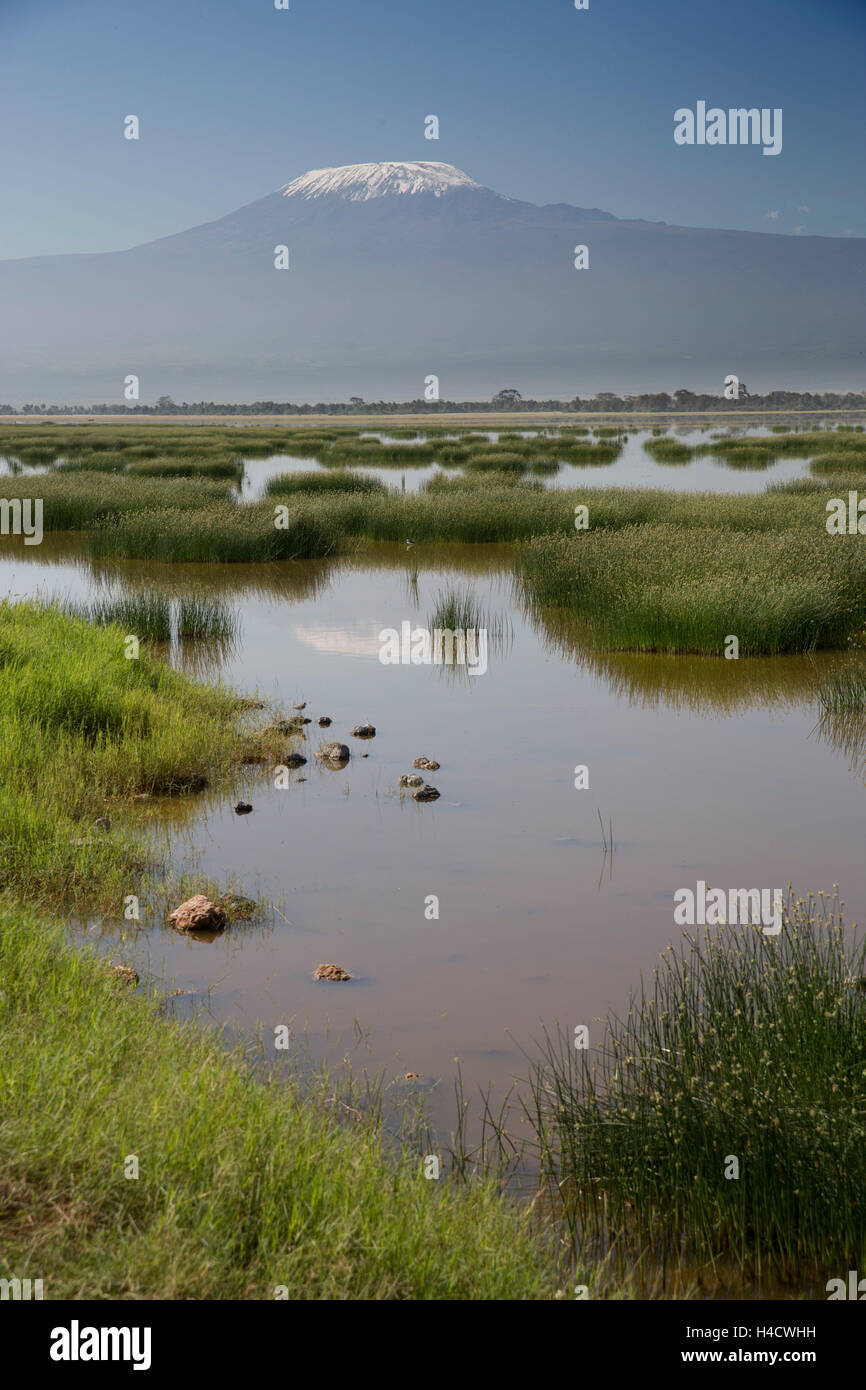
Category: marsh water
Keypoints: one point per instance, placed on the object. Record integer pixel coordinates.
(632, 468)
(699, 768)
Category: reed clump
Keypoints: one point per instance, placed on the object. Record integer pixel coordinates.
(72, 501)
(499, 459)
(341, 480)
(744, 1046)
(658, 587)
(219, 532)
(202, 465)
(838, 461)
(667, 450)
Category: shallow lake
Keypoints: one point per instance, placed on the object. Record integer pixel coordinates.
(704, 768)
(633, 468)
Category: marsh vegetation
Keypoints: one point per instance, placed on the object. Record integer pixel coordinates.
(623, 1147)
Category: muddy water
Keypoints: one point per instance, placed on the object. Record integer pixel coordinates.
(707, 769)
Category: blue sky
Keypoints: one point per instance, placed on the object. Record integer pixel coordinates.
(534, 98)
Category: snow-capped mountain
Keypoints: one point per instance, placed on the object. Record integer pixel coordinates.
(397, 271)
(359, 182)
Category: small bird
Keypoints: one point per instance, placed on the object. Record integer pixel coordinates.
(410, 545)
(302, 705)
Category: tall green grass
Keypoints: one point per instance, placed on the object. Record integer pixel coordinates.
(499, 459)
(142, 614)
(776, 446)
(81, 728)
(341, 480)
(839, 461)
(94, 462)
(203, 465)
(219, 532)
(667, 450)
(743, 1045)
(72, 501)
(661, 588)
(456, 608)
(152, 615)
(246, 1186)
(372, 452)
(584, 452)
(206, 618)
(442, 483)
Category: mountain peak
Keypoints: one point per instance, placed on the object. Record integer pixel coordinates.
(358, 183)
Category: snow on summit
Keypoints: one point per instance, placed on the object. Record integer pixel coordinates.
(357, 183)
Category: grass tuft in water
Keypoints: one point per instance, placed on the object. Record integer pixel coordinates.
(341, 480)
(744, 1044)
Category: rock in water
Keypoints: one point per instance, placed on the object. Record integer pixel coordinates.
(295, 760)
(243, 808)
(426, 763)
(324, 722)
(334, 752)
(331, 972)
(411, 779)
(198, 914)
(426, 793)
(363, 731)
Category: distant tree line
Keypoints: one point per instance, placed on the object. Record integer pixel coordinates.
(607, 402)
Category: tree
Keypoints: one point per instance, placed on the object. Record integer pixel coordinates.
(356, 400)
(507, 397)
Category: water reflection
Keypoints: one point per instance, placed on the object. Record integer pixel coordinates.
(845, 733)
(700, 684)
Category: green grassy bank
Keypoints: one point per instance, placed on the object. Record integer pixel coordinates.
(82, 730)
(243, 1186)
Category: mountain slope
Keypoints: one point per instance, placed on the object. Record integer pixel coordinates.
(400, 271)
